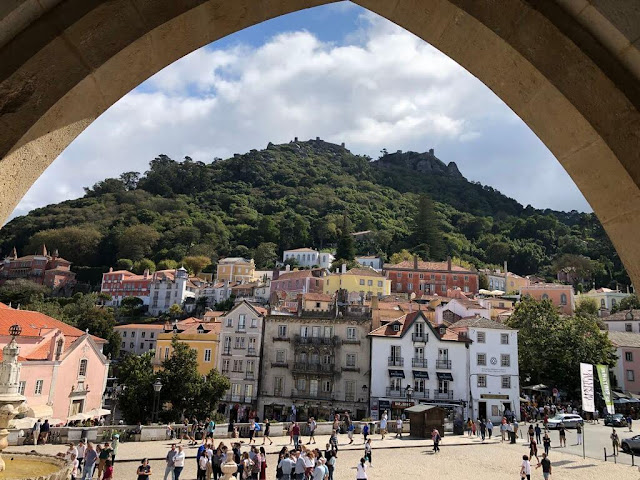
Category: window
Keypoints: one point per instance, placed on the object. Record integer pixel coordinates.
(505, 360)
(82, 371)
(396, 352)
(251, 364)
(630, 376)
(481, 359)
(482, 381)
(351, 359)
(398, 286)
(281, 356)
(123, 344)
(466, 278)
(229, 323)
(301, 384)
(248, 391)
(254, 323)
(282, 331)
(131, 345)
(59, 346)
(152, 335)
(410, 275)
(628, 327)
(563, 299)
(628, 356)
(482, 337)
(225, 366)
(602, 304)
(141, 345)
(379, 283)
(143, 334)
(418, 385)
(443, 288)
(38, 389)
(166, 353)
(613, 302)
(455, 277)
(350, 391)
(362, 281)
(409, 286)
(242, 322)
(351, 333)
(545, 296)
(313, 388)
(124, 334)
(506, 381)
(278, 385)
(207, 355)
(326, 386)
(396, 327)
(504, 338)
(21, 387)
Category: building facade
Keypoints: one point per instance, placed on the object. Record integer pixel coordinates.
(62, 369)
(365, 282)
(561, 296)
(122, 283)
(171, 287)
(299, 281)
(50, 270)
(235, 269)
(624, 321)
(451, 310)
(430, 278)
(316, 360)
(239, 354)
(506, 282)
(605, 298)
(308, 258)
(626, 373)
(370, 261)
(138, 338)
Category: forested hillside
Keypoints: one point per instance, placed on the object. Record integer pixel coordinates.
(297, 194)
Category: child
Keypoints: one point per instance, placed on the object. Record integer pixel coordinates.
(108, 471)
(75, 463)
(367, 450)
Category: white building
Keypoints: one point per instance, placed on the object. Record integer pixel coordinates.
(138, 338)
(624, 321)
(605, 298)
(493, 367)
(169, 288)
(411, 352)
(308, 257)
(370, 261)
(240, 352)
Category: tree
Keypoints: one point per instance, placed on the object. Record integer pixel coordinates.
(426, 230)
(137, 242)
(402, 256)
(21, 292)
(144, 264)
(131, 307)
(136, 376)
(167, 264)
(265, 255)
(497, 253)
(124, 264)
(83, 313)
(629, 303)
(346, 249)
(76, 244)
(551, 347)
(587, 306)
(483, 282)
(175, 310)
(130, 180)
(196, 263)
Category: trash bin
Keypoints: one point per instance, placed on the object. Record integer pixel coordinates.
(513, 437)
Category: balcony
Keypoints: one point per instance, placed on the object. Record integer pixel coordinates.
(396, 362)
(349, 397)
(249, 376)
(350, 368)
(251, 352)
(419, 362)
(419, 337)
(299, 340)
(278, 338)
(350, 341)
(321, 368)
(443, 395)
(241, 330)
(422, 395)
(319, 395)
(226, 351)
(443, 364)
(391, 392)
(240, 346)
(278, 364)
(237, 398)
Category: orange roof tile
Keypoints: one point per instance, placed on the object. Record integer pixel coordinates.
(430, 266)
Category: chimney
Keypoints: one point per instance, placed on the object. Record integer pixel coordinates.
(146, 273)
(415, 262)
(287, 268)
(276, 273)
(344, 268)
(449, 263)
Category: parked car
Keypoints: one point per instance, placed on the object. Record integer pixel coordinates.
(631, 444)
(568, 419)
(616, 420)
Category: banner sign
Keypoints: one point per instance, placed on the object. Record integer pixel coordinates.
(588, 393)
(603, 376)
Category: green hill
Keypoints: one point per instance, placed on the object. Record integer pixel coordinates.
(296, 194)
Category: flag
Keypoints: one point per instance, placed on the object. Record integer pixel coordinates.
(586, 380)
(603, 375)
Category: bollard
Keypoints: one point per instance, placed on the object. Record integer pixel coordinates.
(633, 463)
(605, 454)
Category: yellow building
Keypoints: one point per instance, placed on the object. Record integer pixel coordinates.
(363, 280)
(236, 269)
(201, 336)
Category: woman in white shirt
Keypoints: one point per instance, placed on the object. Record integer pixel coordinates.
(178, 463)
(361, 470)
(525, 469)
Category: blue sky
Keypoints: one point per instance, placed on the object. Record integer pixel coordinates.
(338, 72)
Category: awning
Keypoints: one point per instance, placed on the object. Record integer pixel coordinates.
(98, 412)
(420, 374)
(396, 373)
(445, 376)
(40, 411)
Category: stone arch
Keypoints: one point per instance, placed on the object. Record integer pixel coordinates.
(569, 68)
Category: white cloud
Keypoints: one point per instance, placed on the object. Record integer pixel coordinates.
(383, 87)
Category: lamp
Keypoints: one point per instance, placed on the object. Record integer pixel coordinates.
(157, 385)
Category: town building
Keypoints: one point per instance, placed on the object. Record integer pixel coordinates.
(235, 269)
(561, 296)
(364, 282)
(50, 270)
(605, 299)
(138, 338)
(299, 281)
(451, 310)
(308, 258)
(493, 367)
(417, 277)
(119, 284)
(370, 261)
(317, 360)
(413, 361)
(239, 356)
(504, 281)
(216, 293)
(626, 373)
(63, 370)
(498, 306)
(623, 321)
(172, 287)
(201, 336)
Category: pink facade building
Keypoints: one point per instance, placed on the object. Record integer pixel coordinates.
(627, 370)
(430, 278)
(560, 295)
(63, 370)
(50, 270)
(299, 281)
(123, 283)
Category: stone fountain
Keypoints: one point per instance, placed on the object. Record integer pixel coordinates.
(12, 403)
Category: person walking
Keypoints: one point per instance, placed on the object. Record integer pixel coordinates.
(474, 428)
(483, 429)
(531, 432)
(383, 425)
(36, 432)
(178, 463)
(267, 432)
(74, 466)
(105, 454)
(615, 442)
(533, 449)
(312, 430)
(361, 470)
(252, 431)
(503, 430)
(546, 442)
(562, 433)
(90, 459)
(81, 449)
(46, 428)
(579, 434)
(399, 427)
(263, 464)
(525, 468)
(469, 426)
(300, 466)
(490, 428)
(331, 462)
(144, 470)
(115, 442)
(108, 471)
(350, 429)
(367, 451)
(545, 463)
(202, 467)
(333, 441)
(435, 436)
(629, 422)
(169, 459)
(538, 432)
(286, 466)
(365, 432)
(296, 434)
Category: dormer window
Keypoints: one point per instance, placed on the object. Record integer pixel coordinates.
(396, 327)
(443, 330)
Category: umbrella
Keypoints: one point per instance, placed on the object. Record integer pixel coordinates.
(98, 412)
(78, 416)
(23, 423)
(537, 388)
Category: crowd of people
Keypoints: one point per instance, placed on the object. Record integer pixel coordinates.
(88, 459)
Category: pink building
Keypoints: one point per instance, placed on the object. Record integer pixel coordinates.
(123, 283)
(299, 281)
(63, 370)
(50, 270)
(627, 369)
(560, 295)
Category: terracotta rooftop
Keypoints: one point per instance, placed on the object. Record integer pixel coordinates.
(317, 297)
(476, 321)
(140, 326)
(295, 274)
(624, 339)
(622, 315)
(405, 322)
(301, 250)
(364, 272)
(428, 266)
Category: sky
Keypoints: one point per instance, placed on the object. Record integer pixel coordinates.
(337, 72)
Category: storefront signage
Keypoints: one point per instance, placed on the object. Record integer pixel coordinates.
(491, 396)
(396, 373)
(402, 404)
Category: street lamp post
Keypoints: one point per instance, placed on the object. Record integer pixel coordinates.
(157, 386)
